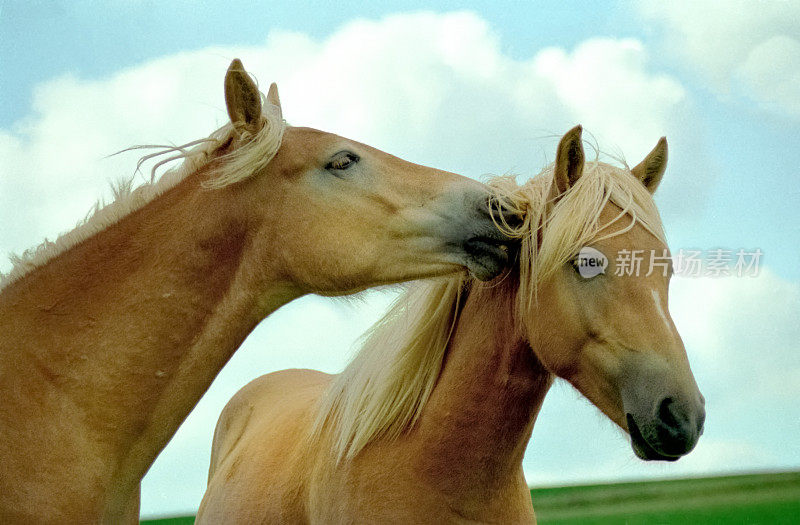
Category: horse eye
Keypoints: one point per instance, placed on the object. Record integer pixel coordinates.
(576, 265)
(589, 263)
(342, 161)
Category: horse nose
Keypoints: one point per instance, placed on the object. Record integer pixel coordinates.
(678, 427)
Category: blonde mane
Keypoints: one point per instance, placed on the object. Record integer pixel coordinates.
(383, 390)
(250, 154)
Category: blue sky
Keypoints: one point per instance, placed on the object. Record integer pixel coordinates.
(722, 85)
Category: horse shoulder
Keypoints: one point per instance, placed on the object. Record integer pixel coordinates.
(259, 436)
(256, 401)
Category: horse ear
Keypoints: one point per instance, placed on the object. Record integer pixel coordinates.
(242, 98)
(651, 169)
(274, 99)
(569, 161)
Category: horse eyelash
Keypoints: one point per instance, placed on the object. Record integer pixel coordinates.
(351, 157)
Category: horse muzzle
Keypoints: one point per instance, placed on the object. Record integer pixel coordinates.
(669, 432)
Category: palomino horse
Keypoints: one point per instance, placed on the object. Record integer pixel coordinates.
(109, 336)
(430, 421)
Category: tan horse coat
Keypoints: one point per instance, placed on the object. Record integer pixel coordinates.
(107, 345)
(461, 462)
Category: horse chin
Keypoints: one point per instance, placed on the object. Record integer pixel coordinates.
(642, 448)
(486, 258)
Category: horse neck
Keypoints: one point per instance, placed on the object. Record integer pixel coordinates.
(479, 419)
(133, 324)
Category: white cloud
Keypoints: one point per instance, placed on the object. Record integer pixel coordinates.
(432, 88)
(739, 46)
(743, 333)
(612, 98)
(771, 72)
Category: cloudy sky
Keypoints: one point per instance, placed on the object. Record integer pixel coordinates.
(484, 89)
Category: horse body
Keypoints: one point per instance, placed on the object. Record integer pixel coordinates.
(304, 447)
(451, 468)
(109, 341)
(462, 460)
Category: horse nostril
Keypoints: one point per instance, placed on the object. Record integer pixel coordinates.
(492, 207)
(513, 219)
(666, 413)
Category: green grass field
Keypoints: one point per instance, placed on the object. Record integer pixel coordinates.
(752, 499)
